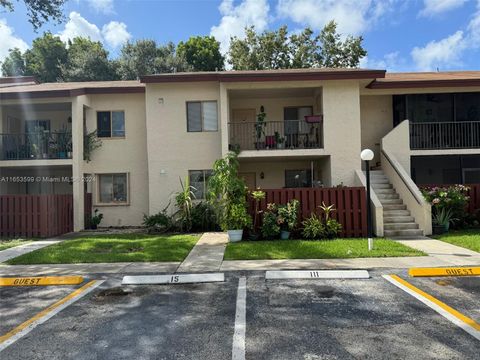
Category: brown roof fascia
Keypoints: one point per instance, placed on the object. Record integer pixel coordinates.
(262, 76)
(423, 84)
(70, 93)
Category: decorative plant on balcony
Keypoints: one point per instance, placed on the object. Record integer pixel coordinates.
(454, 198)
(91, 142)
(260, 126)
(64, 143)
(279, 140)
(227, 191)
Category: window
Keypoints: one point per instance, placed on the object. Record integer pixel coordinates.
(199, 181)
(202, 116)
(298, 178)
(111, 124)
(113, 188)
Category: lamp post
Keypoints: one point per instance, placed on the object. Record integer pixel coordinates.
(367, 155)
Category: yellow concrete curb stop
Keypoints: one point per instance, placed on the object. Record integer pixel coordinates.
(41, 281)
(451, 271)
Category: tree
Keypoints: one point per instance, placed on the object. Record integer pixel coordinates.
(39, 11)
(87, 60)
(144, 57)
(14, 64)
(202, 53)
(44, 60)
(279, 50)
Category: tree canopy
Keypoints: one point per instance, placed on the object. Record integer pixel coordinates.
(39, 11)
(279, 50)
(202, 53)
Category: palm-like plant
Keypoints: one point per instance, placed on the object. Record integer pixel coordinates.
(184, 202)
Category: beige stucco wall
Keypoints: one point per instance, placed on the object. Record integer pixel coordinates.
(274, 171)
(122, 155)
(172, 151)
(341, 108)
(376, 115)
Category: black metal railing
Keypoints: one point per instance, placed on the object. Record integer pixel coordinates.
(273, 135)
(445, 135)
(38, 145)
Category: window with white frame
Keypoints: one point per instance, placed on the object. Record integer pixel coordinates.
(199, 182)
(111, 124)
(112, 188)
(202, 116)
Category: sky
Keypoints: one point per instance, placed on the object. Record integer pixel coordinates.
(409, 35)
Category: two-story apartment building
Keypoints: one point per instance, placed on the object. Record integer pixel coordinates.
(294, 128)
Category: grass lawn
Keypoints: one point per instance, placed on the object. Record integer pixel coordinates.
(469, 239)
(112, 248)
(307, 249)
(5, 244)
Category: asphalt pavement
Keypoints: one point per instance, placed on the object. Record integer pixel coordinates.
(285, 319)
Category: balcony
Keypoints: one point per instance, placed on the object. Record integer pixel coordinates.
(445, 135)
(276, 135)
(38, 145)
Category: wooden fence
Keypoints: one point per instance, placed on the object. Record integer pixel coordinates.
(35, 215)
(349, 202)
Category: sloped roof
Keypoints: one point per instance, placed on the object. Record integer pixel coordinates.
(427, 79)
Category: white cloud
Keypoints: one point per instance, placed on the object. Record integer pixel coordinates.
(8, 40)
(351, 16)
(443, 53)
(79, 26)
(474, 28)
(236, 18)
(102, 6)
(115, 33)
(391, 62)
(436, 7)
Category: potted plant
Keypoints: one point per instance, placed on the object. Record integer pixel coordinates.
(257, 196)
(227, 194)
(235, 220)
(287, 218)
(260, 125)
(441, 220)
(279, 140)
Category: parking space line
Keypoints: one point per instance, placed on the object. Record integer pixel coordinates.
(238, 347)
(462, 321)
(24, 328)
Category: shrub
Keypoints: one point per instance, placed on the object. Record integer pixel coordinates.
(287, 215)
(453, 198)
(332, 228)
(236, 218)
(313, 227)
(184, 203)
(203, 217)
(270, 227)
(158, 222)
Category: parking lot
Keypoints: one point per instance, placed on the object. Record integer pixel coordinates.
(285, 319)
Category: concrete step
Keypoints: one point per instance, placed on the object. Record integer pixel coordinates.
(395, 213)
(391, 201)
(401, 226)
(385, 191)
(397, 219)
(381, 186)
(379, 180)
(377, 172)
(392, 195)
(396, 233)
(388, 207)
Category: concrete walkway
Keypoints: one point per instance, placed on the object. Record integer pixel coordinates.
(10, 253)
(207, 254)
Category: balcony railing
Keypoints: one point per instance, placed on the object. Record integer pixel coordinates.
(445, 135)
(273, 135)
(38, 145)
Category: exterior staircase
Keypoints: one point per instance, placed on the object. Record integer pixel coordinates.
(397, 220)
